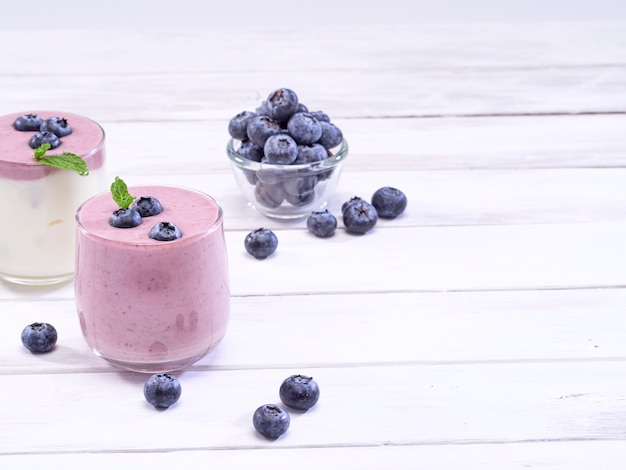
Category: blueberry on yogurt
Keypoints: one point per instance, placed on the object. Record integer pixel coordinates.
(44, 137)
(57, 125)
(125, 217)
(28, 123)
(147, 206)
(165, 232)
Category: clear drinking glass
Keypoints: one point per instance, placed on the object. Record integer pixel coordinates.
(147, 305)
(39, 202)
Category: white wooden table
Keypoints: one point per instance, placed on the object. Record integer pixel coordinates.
(484, 328)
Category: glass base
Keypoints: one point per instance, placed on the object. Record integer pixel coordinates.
(157, 367)
(36, 281)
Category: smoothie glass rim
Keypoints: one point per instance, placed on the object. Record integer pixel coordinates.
(86, 155)
(152, 244)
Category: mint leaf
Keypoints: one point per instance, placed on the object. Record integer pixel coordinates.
(65, 161)
(120, 193)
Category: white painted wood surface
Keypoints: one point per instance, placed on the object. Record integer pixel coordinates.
(484, 328)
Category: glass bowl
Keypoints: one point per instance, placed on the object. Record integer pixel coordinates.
(287, 191)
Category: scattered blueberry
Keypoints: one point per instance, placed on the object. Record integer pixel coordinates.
(280, 149)
(260, 127)
(162, 390)
(57, 125)
(299, 392)
(271, 420)
(304, 128)
(147, 206)
(352, 200)
(41, 138)
(261, 243)
(321, 223)
(237, 126)
(389, 202)
(28, 122)
(281, 104)
(359, 216)
(39, 337)
(165, 232)
(125, 218)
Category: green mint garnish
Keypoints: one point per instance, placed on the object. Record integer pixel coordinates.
(120, 193)
(65, 161)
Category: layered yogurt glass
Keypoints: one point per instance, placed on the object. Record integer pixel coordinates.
(39, 202)
(148, 305)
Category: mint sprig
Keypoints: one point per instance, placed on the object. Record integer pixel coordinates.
(65, 161)
(120, 193)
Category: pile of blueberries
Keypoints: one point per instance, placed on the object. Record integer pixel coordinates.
(282, 131)
(47, 131)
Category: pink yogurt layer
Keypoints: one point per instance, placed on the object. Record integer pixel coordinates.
(145, 304)
(16, 157)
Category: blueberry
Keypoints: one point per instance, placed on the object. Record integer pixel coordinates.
(162, 390)
(268, 194)
(125, 218)
(250, 150)
(147, 206)
(237, 126)
(165, 232)
(359, 216)
(302, 108)
(280, 149)
(41, 138)
(271, 420)
(299, 392)
(352, 200)
(321, 223)
(331, 135)
(39, 337)
(261, 243)
(389, 202)
(57, 125)
(310, 154)
(28, 122)
(260, 128)
(304, 128)
(300, 190)
(281, 104)
(320, 116)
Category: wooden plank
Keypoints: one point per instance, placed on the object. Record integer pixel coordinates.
(388, 92)
(365, 329)
(441, 259)
(577, 455)
(380, 145)
(225, 49)
(368, 406)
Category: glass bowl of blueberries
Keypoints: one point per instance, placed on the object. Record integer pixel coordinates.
(286, 159)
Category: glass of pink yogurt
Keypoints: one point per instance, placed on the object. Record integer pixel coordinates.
(39, 202)
(149, 305)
